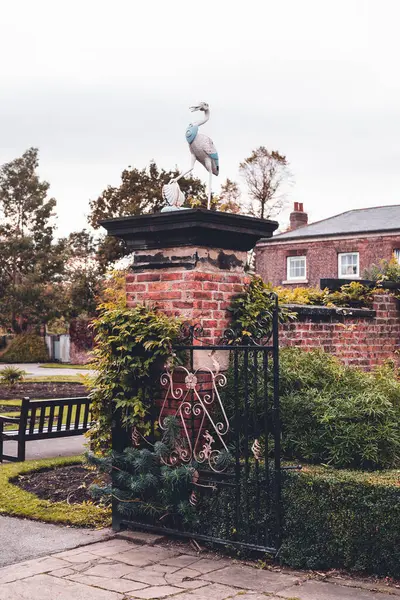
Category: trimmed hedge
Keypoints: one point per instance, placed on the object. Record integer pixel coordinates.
(26, 348)
(332, 519)
(342, 519)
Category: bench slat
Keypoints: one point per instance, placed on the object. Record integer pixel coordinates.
(32, 419)
(86, 415)
(60, 417)
(42, 418)
(69, 415)
(51, 419)
(78, 414)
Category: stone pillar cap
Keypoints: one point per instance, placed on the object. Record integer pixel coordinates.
(191, 227)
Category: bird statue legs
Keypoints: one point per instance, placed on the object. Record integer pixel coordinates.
(209, 188)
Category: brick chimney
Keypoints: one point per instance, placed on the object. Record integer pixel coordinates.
(298, 218)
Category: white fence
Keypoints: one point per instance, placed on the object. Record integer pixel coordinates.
(59, 347)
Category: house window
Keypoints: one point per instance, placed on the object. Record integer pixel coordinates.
(349, 264)
(296, 268)
(396, 253)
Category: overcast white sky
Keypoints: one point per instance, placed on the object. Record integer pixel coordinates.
(99, 85)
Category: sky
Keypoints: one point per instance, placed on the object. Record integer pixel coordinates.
(100, 85)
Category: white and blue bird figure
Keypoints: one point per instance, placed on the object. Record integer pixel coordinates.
(201, 147)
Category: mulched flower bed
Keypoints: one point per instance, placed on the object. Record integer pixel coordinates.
(69, 484)
(42, 390)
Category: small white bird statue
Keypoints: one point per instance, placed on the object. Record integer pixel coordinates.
(201, 148)
(173, 195)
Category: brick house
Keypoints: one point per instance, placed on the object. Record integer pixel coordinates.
(342, 246)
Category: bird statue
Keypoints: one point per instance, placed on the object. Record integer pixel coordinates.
(201, 148)
(173, 195)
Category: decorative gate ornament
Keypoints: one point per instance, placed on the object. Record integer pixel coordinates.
(202, 406)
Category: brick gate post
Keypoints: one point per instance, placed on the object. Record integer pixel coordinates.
(189, 262)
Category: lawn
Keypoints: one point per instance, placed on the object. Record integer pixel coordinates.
(63, 366)
(56, 378)
(17, 502)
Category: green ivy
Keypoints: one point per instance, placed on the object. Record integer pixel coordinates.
(252, 311)
(129, 344)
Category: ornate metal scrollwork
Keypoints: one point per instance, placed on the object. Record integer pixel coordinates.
(206, 443)
(188, 333)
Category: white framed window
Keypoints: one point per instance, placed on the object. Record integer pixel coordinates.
(296, 268)
(396, 254)
(349, 265)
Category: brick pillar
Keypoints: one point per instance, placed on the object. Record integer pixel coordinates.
(195, 284)
(189, 262)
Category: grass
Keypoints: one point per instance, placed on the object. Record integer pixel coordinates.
(55, 379)
(16, 502)
(63, 366)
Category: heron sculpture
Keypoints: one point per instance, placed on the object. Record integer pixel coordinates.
(201, 148)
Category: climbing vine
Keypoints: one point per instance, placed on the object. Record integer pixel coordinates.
(129, 343)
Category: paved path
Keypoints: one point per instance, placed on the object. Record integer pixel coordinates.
(120, 570)
(21, 539)
(35, 370)
(36, 449)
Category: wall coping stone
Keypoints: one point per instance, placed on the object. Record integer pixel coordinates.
(320, 313)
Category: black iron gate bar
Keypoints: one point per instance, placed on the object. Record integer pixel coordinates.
(210, 477)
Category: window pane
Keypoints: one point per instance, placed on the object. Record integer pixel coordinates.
(297, 267)
(348, 264)
(396, 253)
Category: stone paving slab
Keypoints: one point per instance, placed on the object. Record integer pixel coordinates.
(45, 587)
(318, 590)
(121, 569)
(114, 585)
(211, 592)
(248, 578)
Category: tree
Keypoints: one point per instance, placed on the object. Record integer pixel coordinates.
(229, 197)
(29, 260)
(82, 278)
(139, 193)
(265, 173)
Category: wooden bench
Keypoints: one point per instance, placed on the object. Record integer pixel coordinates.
(39, 420)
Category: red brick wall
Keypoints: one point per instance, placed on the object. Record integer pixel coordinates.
(322, 256)
(200, 293)
(360, 342)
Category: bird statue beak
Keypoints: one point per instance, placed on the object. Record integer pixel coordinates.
(194, 108)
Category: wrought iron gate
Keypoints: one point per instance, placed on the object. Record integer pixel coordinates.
(225, 398)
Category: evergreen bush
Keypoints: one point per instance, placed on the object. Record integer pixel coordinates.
(146, 487)
(26, 348)
(342, 519)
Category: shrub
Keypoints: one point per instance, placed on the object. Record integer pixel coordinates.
(342, 519)
(252, 311)
(339, 415)
(330, 413)
(11, 375)
(386, 270)
(301, 295)
(26, 348)
(129, 342)
(350, 294)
